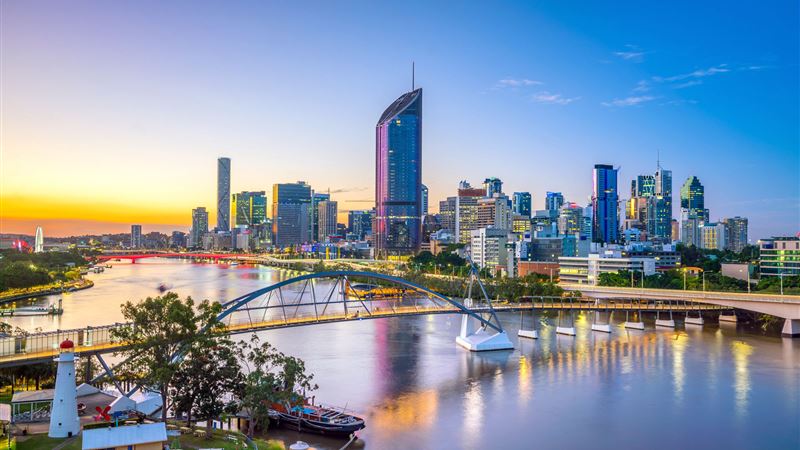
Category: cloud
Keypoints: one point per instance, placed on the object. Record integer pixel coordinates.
(516, 82)
(633, 53)
(689, 83)
(553, 99)
(699, 73)
(353, 189)
(630, 101)
(679, 102)
(642, 86)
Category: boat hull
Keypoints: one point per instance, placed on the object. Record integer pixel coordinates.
(304, 425)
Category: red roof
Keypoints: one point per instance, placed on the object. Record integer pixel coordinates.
(67, 344)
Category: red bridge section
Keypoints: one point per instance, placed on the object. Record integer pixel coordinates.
(133, 257)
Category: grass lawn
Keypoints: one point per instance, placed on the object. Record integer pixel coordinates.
(41, 441)
(218, 440)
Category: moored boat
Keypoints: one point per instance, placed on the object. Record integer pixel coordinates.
(315, 419)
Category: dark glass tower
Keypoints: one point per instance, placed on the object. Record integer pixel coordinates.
(223, 194)
(398, 177)
(605, 222)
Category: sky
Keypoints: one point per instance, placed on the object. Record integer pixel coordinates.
(114, 113)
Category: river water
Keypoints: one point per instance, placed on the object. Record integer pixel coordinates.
(702, 387)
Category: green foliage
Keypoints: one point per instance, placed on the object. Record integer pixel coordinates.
(160, 328)
(208, 372)
(791, 285)
(673, 279)
(22, 274)
(445, 262)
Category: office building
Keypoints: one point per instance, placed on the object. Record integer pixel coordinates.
(199, 227)
(521, 204)
(570, 219)
(327, 212)
(780, 256)
(313, 211)
(735, 233)
(398, 177)
(290, 213)
(693, 199)
(467, 211)
(659, 216)
(520, 224)
(359, 223)
(488, 247)
(493, 186)
(249, 208)
(223, 194)
(712, 235)
(424, 200)
(587, 270)
(605, 204)
(553, 201)
(447, 214)
(494, 212)
(136, 236)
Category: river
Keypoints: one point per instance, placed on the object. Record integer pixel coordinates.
(704, 387)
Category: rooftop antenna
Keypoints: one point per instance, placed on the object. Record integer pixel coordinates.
(412, 76)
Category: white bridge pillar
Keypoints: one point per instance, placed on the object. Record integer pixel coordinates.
(475, 338)
(791, 328)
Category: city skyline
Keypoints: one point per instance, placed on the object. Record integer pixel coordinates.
(544, 111)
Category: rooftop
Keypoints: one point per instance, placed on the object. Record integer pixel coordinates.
(112, 437)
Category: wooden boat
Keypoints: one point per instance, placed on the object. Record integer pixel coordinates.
(315, 419)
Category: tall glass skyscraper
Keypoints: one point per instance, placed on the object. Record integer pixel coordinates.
(693, 199)
(290, 216)
(398, 177)
(522, 204)
(223, 194)
(605, 204)
(249, 208)
(199, 226)
(553, 201)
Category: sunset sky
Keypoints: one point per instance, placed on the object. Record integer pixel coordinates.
(114, 113)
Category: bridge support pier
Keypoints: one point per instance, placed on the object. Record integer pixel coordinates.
(667, 323)
(481, 340)
(568, 330)
(602, 327)
(532, 333)
(727, 318)
(634, 325)
(791, 328)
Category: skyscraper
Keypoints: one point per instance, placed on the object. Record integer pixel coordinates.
(553, 201)
(493, 186)
(660, 219)
(327, 211)
(605, 221)
(521, 204)
(424, 200)
(467, 211)
(693, 199)
(398, 177)
(249, 208)
(223, 194)
(313, 213)
(136, 236)
(359, 223)
(570, 219)
(447, 214)
(199, 226)
(38, 243)
(290, 216)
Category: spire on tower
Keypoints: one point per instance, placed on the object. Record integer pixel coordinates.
(412, 76)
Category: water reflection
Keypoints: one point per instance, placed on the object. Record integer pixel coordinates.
(741, 355)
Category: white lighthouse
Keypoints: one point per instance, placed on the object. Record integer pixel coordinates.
(64, 420)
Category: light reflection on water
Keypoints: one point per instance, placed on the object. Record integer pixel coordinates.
(417, 389)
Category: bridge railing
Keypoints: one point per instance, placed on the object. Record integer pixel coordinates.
(49, 341)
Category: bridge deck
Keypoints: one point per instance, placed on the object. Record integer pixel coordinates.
(48, 343)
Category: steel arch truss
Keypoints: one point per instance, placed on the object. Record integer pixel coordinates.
(341, 295)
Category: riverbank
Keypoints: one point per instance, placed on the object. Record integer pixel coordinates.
(12, 295)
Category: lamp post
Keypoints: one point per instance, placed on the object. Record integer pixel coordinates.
(684, 279)
(704, 281)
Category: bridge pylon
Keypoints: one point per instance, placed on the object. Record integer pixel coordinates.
(474, 335)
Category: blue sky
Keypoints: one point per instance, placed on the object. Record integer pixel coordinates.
(128, 94)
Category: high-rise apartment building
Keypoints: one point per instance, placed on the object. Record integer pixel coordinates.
(467, 211)
(249, 208)
(290, 213)
(735, 233)
(521, 204)
(223, 194)
(659, 220)
(488, 247)
(494, 212)
(570, 219)
(327, 212)
(712, 235)
(136, 236)
(447, 214)
(313, 212)
(199, 226)
(605, 204)
(398, 177)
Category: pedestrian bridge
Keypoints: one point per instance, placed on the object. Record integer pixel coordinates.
(784, 306)
(328, 297)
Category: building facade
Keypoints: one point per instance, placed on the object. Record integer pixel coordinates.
(223, 194)
(780, 256)
(587, 270)
(327, 211)
(398, 177)
(199, 227)
(467, 211)
(605, 204)
(712, 235)
(553, 201)
(290, 213)
(249, 208)
(488, 247)
(136, 236)
(521, 204)
(735, 233)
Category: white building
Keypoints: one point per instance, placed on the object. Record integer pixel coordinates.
(488, 247)
(64, 420)
(146, 436)
(587, 270)
(38, 246)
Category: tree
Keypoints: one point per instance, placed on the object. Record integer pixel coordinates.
(206, 381)
(160, 329)
(272, 378)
